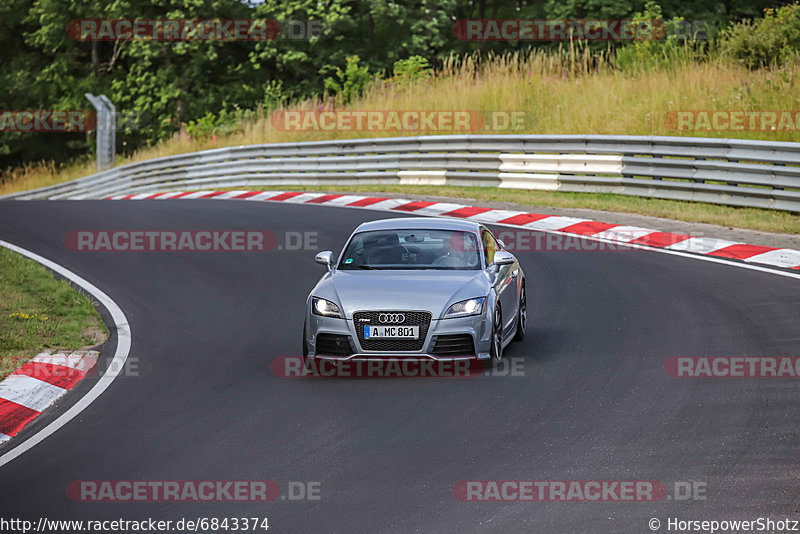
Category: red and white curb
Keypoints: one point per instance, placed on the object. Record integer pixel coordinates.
(774, 257)
(32, 388)
(123, 334)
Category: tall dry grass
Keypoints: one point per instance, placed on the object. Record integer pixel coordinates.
(569, 91)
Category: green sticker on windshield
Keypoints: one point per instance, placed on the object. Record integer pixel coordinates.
(349, 260)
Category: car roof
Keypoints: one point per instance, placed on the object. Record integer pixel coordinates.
(415, 223)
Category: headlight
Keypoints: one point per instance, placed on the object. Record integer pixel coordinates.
(465, 308)
(325, 308)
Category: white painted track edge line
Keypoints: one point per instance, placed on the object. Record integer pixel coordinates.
(117, 364)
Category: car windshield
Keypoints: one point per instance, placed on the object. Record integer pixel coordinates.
(412, 249)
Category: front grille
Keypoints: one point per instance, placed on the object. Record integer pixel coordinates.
(334, 345)
(413, 318)
(454, 345)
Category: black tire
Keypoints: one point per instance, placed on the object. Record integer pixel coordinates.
(496, 347)
(522, 315)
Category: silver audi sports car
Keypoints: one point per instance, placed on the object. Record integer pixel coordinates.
(419, 288)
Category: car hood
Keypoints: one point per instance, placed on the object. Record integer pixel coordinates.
(401, 290)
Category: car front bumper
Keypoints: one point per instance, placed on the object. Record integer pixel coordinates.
(477, 326)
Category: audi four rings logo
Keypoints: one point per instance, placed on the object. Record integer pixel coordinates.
(391, 318)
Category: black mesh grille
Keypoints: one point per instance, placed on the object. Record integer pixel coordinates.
(413, 318)
(454, 345)
(334, 345)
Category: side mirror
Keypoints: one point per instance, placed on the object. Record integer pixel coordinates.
(325, 258)
(501, 257)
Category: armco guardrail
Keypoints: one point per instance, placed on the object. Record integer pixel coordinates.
(725, 171)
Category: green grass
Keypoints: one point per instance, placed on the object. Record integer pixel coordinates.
(38, 311)
(749, 218)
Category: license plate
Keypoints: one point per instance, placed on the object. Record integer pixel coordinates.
(391, 332)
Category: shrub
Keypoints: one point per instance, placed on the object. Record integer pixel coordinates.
(351, 82)
(223, 123)
(771, 41)
(671, 48)
(412, 69)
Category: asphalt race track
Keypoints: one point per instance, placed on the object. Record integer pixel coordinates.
(595, 402)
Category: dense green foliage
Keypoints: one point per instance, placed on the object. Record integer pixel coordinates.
(771, 41)
(210, 84)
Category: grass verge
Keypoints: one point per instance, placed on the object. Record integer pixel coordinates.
(38, 311)
(698, 212)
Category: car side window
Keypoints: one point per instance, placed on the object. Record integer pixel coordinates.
(489, 246)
